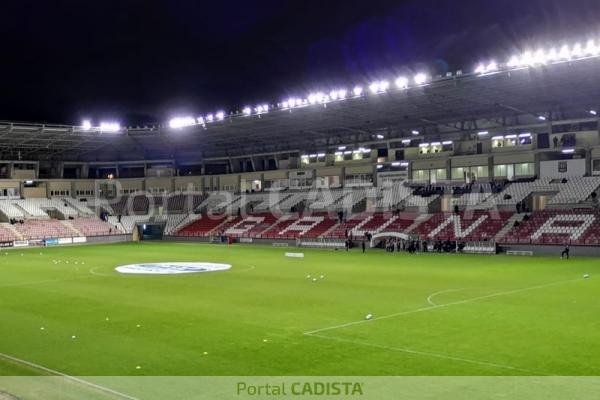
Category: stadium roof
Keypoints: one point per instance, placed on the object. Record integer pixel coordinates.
(524, 96)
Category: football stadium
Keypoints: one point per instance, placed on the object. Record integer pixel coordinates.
(432, 234)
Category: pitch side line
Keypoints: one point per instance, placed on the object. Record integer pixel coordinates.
(69, 377)
(431, 296)
(428, 354)
(454, 303)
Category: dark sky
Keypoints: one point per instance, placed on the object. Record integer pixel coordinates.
(145, 61)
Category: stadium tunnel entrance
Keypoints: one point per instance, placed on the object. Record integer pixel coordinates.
(378, 237)
(151, 230)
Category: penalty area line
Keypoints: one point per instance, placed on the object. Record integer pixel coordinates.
(438, 306)
(69, 377)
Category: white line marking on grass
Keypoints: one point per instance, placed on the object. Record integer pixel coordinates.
(247, 269)
(429, 354)
(454, 303)
(431, 296)
(93, 272)
(69, 377)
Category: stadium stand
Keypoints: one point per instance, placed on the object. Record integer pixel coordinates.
(204, 225)
(466, 226)
(292, 226)
(92, 227)
(557, 227)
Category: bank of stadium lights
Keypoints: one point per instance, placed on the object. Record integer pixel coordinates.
(181, 122)
(486, 68)
(247, 111)
(379, 87)
(86, 125)
(110, 127)
(541, 56)
(357, 91)
(261, 109)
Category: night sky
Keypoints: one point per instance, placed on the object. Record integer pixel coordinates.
(146, 61)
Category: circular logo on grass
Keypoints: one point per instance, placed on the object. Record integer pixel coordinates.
(171, 268)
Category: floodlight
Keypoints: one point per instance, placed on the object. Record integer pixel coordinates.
(247, 111)
(447, 142)
(593, 112)
(414, 132)
(342, 148)
(552, 55)
(210, 118)
(379, 136)
(110, 127)
(591, 49)
(577, 50)
(402, 82)
(357, 91)
(220, 115)
(482, 133)
(541, 118)
(492, 66)
(514, 62)
(395, 164)
(539, 57)
(420, 78)
(564, 53)
(480, 69)
(568, 151)
(379, 87)
(527, 58)
(86, 125)
(342, 94)
(180, 122)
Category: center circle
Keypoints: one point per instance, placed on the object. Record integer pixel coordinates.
(171, 268)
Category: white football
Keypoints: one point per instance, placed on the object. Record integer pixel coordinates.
(586, 276)
(369, 316)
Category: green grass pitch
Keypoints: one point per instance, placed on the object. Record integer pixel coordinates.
(432, 314)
